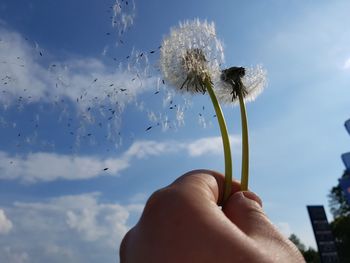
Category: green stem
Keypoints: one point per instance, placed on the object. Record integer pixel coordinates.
(245, 144)
(225, 140)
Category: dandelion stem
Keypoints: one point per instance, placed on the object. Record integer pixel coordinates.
(225, 140)
(245, 144)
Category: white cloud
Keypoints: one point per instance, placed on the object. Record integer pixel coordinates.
(5, 223)
(44, 166)
(84, 89)
(141, 149)
(83, 214)
(51, 166)
(210, 145)
(69, 228)
(86, 82)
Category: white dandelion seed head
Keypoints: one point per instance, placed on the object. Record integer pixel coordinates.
(254, 81)
(191, 53)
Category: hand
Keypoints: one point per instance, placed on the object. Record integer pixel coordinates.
(182, 223)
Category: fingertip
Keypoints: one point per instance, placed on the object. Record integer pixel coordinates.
(244, 209)
(243, 198)
(241, 202)
(252, 196)
(207, 178)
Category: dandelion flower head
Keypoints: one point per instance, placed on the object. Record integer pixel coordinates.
(190, 55)
(250, 81)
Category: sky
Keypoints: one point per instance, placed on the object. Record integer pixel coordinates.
(90, 130)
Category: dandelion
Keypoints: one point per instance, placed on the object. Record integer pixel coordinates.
(240, 85)
(190, 59)
(250, 81)
(190, 54)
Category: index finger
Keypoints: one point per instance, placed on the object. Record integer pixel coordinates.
(204, 184)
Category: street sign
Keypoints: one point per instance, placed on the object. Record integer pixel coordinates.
(323, 234)
(346, 160)
(347, 125)
(345, 186)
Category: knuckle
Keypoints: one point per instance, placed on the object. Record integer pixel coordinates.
(157, 199)
(166, 202)
(123, 246)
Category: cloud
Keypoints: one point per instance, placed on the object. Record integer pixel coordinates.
(90, 219)
(45, 166)
(5, 223)
(141, 149)
(209, 145)
(71, 228)
(84, 89)
(86, 82)
(88, 90)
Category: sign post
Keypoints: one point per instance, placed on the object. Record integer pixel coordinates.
(323, 234)
(344, 183)
(346, 160)
(347, 125)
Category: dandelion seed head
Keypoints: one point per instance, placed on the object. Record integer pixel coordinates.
(190, 54)
(253, 80)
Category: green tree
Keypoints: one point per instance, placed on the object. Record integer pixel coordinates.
(341, 223)
(337, 201)
(341, 231)
(311, 256)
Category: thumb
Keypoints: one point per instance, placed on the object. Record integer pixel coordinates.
(244, 209)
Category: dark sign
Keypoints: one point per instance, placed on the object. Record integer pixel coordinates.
(346, 160)
(345, 186)
(347, 125)
(323, 234)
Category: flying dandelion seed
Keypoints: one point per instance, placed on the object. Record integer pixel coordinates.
(123, 17)
(84, 99)
(78, 97)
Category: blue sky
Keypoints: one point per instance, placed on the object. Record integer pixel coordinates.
(77, 97)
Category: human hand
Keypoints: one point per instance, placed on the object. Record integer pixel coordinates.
(183, 223)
